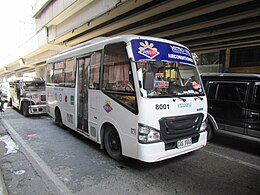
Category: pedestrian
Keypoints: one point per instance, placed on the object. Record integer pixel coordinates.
(1, 102)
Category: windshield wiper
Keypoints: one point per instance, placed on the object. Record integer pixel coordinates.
(198, 97)
(183, 99)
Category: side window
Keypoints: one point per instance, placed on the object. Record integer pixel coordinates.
(70, 73)
(257, 94)
(117, 69)
(49, 76)
(58, 73)
(235, 92)
(83, 65)
(212, 90)
(117, 77)
(94, 74)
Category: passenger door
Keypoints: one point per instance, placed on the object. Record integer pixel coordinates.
(94, 95)
(227, 104)
(253, 127)
(82, 101)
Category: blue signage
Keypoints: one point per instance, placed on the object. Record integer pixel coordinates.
(154, 50)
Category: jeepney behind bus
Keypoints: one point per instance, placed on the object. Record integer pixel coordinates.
(28, 95)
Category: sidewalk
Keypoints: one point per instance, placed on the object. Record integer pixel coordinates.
(3, 190)
(20, 171)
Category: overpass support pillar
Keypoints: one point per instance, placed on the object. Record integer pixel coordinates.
(18, 74)
(227, 60)
(41, 72)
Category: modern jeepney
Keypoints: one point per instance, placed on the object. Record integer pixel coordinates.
(136, 96)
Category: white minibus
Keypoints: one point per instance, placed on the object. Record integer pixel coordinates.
(136, 96)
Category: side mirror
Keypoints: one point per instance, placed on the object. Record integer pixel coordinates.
(148, 80)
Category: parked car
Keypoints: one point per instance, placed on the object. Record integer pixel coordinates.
(233, 105)
(4, 90)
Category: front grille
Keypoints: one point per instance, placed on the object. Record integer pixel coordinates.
(43, 98)
(180, 127)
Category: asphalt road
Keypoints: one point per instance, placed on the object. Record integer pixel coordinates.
(45, 159)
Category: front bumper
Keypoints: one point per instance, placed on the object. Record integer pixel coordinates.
(156, 151)
(37, 109)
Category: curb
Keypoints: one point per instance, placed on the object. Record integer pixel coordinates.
(49, 178)
(3, 190)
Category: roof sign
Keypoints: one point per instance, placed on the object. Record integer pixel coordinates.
(154, 50)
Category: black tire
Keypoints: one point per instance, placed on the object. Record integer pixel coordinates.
(25, 109)
(112, 144)
(10, 103)
(210, 131)
(58, 119)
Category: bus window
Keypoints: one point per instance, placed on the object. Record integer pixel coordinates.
(58, 74)
(117, 77)
(94, 70)
(70, 73)
(171, 79)
(49, 77)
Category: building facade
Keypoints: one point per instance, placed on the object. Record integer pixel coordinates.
(225, 35)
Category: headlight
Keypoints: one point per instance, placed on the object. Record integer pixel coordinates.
(203, 126)
(34, 96)
(147, 134)
(29, 96)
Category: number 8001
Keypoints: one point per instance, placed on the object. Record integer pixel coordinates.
(162, 106)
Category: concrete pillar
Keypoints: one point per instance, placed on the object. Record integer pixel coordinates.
(227, 60)
(18, 74)
(41, 72)
(4, 79)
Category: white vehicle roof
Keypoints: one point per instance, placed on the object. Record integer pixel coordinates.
(24, 79)
(98, 44)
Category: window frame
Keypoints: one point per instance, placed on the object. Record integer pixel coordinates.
(98, 86)
(61, 84)
(256, 89)
(218, 83)
(116, 94)
(73, 66)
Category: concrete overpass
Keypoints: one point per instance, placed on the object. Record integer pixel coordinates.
(205, 26)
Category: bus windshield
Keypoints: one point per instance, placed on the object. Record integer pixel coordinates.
(171, 79)
(34, 85)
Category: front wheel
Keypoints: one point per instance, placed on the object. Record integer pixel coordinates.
(25, 109)
(112, 144)
(10, 103)
(58, 119)
(210, 131)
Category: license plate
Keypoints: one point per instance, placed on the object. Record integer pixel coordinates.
(184, 143)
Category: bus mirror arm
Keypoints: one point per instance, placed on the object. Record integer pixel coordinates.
(140, 84)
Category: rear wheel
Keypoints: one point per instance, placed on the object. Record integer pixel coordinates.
(112, 144)
(10, 103)
(58, 119)
(25, 109)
